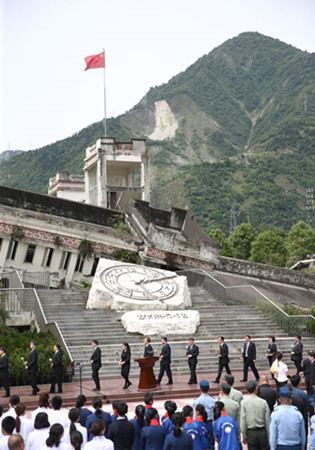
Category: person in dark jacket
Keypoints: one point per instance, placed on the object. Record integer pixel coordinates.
(148, 350)
(125, 364)
(4, 372)
(297, 353)
(192, 351)
(56, 366)
(271, 351)
(306, 371)
(178, 439)
(266, 392)
(138, 422)
(84, 411)
(249, 358)
(165, 362)
(153, 435)
(98, 414)
(122, 432)
(31, 367)
(96, 362)
(223, 358)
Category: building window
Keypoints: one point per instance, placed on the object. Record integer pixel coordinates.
(79, 263)
(64, 262)
(1, 243)
(12, 249)
(30, 253)
(93, 270)
(48, 257)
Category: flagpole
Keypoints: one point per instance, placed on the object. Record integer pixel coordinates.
(105, 129)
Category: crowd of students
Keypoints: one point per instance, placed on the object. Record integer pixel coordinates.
(265, 417)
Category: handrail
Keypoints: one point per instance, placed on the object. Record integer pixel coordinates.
(290, 318)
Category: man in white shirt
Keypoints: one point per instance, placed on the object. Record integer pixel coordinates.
(13, 401)
(58, 415)
(7, 427)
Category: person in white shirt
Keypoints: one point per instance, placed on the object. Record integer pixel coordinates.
(43, 403)
(37, 438)
(280, 370)
(99, 441)
(8, 425)
(77, 440)
(54, 438)
(58, 415)
(16, 442)
(74, 417)
(23, 425)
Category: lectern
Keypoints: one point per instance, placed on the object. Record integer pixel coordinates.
(147, 378)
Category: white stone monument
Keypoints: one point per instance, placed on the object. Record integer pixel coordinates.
(126, 287)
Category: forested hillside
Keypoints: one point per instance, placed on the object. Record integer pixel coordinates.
(240, 132)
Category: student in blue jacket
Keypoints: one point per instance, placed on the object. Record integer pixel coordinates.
(167, 422)
(97, 415)
(153, 435)
(138, 422)
(178, 439)
(205, 430)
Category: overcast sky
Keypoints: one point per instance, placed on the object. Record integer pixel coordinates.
(45, 93)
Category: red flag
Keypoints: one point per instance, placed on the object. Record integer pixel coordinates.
(95, 61)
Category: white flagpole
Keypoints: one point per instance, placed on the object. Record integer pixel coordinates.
(105, 129)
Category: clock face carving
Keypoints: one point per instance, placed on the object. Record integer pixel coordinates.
(139, 282)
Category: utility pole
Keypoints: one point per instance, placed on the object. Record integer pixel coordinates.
(305, 101)
(309, 206)
(232, 219)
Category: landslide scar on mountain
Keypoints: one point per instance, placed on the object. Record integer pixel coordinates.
(165, 122)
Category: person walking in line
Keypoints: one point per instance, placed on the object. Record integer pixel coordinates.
(306, 372)
(271, 351)
(165, 362)
(192, 351)
(297, 353)
(31, 367)
(249, 358)
(223, 358)
(125, 364)
(148, 350)
(280, 370)
(56, 368)
(4, 372)
(96, 362)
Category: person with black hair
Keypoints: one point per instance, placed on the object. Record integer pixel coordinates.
(58, 415)
(271, 351)
(192, 351)
(148, 403)
(54, 438)
(280, 370)
(16, 442)
(148, 350)
(56, 370)
(125, 364)
(204, 427)
(225, 428)
(165, 362)
(114, 406)
(168, 423)
(43, 405)
(223, 357)
(138, 423)
(153, 435)
(122, 432)
(23, 425)
(249, 358)
(96, 362)
(37, 439)
(7, 428)
(99, 441)
(98, 414)
(74, 417)
(76, 440)
(84, 411)
(297, 353)
(4, 371)
(31, 367)
(13, 401)
(266, 392)
(306, 372)
(178, 439)
(191, 427)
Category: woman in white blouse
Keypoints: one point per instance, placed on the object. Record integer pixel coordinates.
(99, 441)
(37, 439)
(280, 370)
(23, 425)
(43, 405)
(74, 417)
(54, 438)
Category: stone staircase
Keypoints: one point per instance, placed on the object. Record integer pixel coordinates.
(79, 326)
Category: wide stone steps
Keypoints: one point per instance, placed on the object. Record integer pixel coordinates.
(79, 326)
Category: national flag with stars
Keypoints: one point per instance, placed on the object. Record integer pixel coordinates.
(95, 61)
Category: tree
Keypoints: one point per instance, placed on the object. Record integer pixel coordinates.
(241, 239)
(300, 242)
(220, 237)
(269, 248)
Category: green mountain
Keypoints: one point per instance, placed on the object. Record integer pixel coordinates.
(236, 129)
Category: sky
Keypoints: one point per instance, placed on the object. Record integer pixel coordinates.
(45, 94)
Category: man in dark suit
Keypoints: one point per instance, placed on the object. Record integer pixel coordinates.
(224, 359)
(192, 351)
(165, 362)
(4, 372)
(297, 353)
(249, 358)
(306, 371)
(96, 362)
(266, 392)
(31, 367)
(148, 350)
(122, 432)
(312, 371)
(56, 367)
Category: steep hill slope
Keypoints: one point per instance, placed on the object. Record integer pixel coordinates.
(236, 128)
